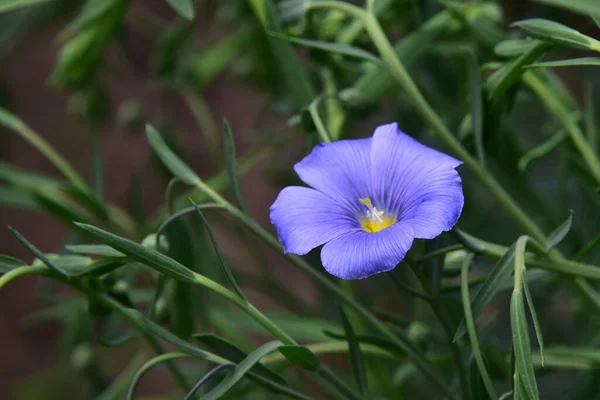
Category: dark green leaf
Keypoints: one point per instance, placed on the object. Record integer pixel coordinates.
(231, 162)
(8, 263)
(173, 163)
(8, 5)
(241, 369)
(574, 62)
(584, 7)
(476, 105)
(300, 356)
(557, 34)
(117, 339)
(494, 283)
(542, 150)
(337, 48)
(514, 47)
(358, 363)
(233, 353)
(37, 253)
(522, 346)
(376, 341)
(184, 8)
(559, 234)
(534, 318)
(149, 257)
(220, 256)
(94, 250)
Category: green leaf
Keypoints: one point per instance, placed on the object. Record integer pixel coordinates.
(542, 150)
(522, 347)
(220, 256)
(233, 353)
(358, 363)
(557, 34)
(241, 369)
(300, 356)
(476, 105)
(162, 358)
(514, 47)
(8, 263)
(574, 62)
(534, 318)
(494, 283)
(149, 257)
(171, 161)
(185, 8)
(8, 5)
(94, 250)
(231, 162)
(483, 375)
(28, 180)
(73, 265)
(589, 117)
(509, 74)
(384, 344)
(559, 234)
(584, 7)
(343, 49)
(37, 253)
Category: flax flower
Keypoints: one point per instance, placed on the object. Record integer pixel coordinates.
(369, 199)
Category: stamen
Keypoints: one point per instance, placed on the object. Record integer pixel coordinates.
(375, 220)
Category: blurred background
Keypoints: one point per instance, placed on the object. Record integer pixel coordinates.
(146, 64)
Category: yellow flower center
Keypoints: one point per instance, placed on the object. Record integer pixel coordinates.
(375, 220)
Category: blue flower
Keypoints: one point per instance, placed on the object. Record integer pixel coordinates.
(370, 198)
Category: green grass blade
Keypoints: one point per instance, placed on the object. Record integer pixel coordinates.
(231, 163)
(358, 363)
(522, 346)
(168, 157)
(536, 322)
(34, 250)
(574, 62)
(559, 233)
(8, 5)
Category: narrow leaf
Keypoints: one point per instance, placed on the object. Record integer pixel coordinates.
(574, 62)
(241, 369)
(542, 150)
(558, 34)
(147, 256)
(337, 48)
(37, 253)
(219, 253)
(94, 250)
(494, 283)
(536, 322)
(559, 234)
(8, 5)
(185, 8)
(171, 161)
(358, 363)
(8, 263)
(514, 47)
(476, 105)
(231, 162)
(233, 353)
(590, 115)
(584, 7)
(522, 347)
(300, 356)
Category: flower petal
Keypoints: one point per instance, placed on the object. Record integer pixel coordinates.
(418, 183)
(305, 218)
(358, 254)
(341, 170)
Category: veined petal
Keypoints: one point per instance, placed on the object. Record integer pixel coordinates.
(305, 218)
(358, 254)
(418, 183)
(341, 170)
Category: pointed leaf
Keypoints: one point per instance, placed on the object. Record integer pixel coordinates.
(514, 47)
(584, 7)
(149, 257)
(558, 34)
(233, 353)
(241, 369)
(574, 62)
(38, 253)
(231, 162)
(300, 356)
(185, 8)
(522, 346)
(94, 250)
(494, 283)
(220, 256)
(168, 157)
(559, 234)
(8, 263)
(8, 5)
(358, 363)
(536, 323)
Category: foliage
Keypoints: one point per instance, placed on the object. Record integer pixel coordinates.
(504, 307)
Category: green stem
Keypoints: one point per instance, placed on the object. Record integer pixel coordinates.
(416, 358)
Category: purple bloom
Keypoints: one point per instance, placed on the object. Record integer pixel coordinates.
(370, 198)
